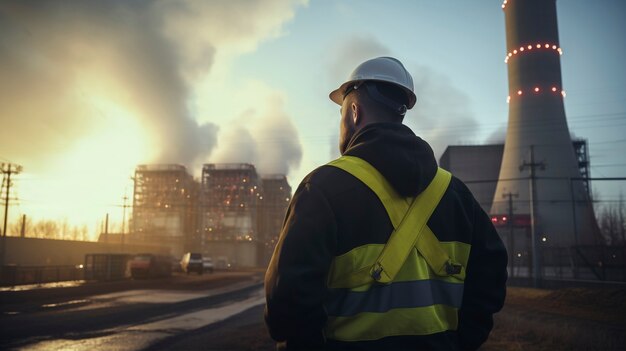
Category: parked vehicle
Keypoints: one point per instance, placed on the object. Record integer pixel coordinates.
(175, 263)
(207, 265)
(192, 262)
(102, 266)
(150, 266)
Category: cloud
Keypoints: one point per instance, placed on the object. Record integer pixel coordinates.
(66, 56)
(142, 56)
(442, 115)
(279, 144)
(100, 86)
(497, 136)
(237, 146)
(350, 53)
(263, 135)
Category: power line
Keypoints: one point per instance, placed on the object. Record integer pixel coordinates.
(611, 165)
(609, 141)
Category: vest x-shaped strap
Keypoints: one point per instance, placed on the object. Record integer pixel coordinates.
(409, 217)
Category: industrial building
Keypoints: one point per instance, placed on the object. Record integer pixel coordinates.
(230, 193)
(232, 214)
(539, 164)
(535, 186)
(478, 166)
(164, 201)
(272, 209)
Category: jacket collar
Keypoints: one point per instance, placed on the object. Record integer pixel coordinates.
(404, 159)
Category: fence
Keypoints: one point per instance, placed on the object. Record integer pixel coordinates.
(107, 266)
(18, 275)
(96, 267)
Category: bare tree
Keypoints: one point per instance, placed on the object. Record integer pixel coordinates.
(64, 229)
(15, 228)
(48, 229)
(611, 222)
(84, 233)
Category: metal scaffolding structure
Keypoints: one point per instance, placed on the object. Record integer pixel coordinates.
(230, 195)
(231, 213)
(272, 209)
(163, 206)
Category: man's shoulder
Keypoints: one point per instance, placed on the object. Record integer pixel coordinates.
(330, 180)
(459, 191)
(459, 186)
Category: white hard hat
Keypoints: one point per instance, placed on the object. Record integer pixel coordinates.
(381, 69)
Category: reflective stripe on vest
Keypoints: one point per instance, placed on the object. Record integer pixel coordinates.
(419, 296)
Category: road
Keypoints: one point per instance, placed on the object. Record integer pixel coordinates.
(224, 311)
(127, 315)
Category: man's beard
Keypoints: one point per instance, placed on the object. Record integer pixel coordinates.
(346, 138)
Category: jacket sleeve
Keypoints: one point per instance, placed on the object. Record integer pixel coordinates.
(485, 283)
(295, 281)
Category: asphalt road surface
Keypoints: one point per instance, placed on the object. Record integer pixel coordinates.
(127, 315)
(224, 311)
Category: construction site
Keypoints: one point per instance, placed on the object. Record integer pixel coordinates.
(232, 214)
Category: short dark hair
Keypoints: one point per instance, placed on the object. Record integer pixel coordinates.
(393, 92)
(383, 111)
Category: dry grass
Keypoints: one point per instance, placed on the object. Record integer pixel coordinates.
(565, 319)
(532, 319)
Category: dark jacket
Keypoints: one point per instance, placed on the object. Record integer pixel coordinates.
(332, 212)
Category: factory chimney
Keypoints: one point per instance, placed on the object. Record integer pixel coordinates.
(539, 161)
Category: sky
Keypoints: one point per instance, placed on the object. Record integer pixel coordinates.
(91, 89)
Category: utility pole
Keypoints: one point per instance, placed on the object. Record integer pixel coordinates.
(125, 198)
(621, 219)
(8, 169)
(23, 230)
(106, 229)
(532, 165)
(510, 222)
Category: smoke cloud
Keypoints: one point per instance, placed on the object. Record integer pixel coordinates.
(442, 115)
(264, 136)
(62, 59)
(90, 89)
(69, 70)
(350, 53)
(498, 136)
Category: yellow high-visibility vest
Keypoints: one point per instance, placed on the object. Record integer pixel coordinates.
(412, 285)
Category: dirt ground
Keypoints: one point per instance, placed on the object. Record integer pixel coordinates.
(532, 319)
(564, 319)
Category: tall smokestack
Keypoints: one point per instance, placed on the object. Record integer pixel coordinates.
(538, 142)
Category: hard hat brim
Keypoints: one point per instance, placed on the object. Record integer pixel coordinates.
(336, 95)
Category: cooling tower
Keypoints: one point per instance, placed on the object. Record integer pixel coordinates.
(538, 138)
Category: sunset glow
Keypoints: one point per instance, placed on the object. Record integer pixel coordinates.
(90, 90)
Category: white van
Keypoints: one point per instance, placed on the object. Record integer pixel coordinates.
(192, 262)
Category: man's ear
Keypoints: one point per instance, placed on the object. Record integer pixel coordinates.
(356, 113)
